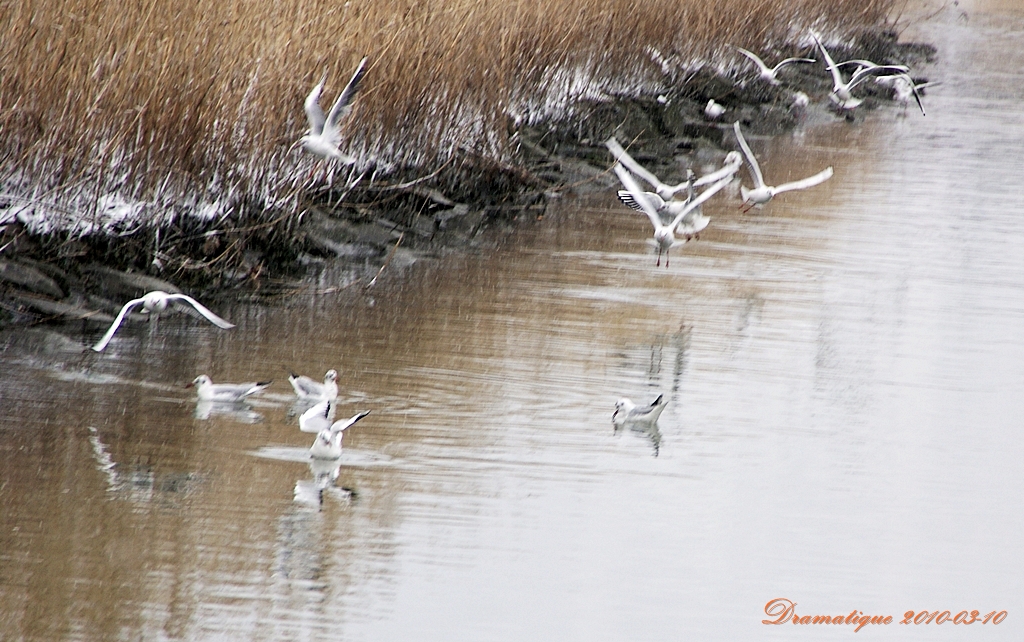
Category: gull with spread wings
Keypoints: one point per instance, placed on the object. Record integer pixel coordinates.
(762, 193)
(154, 303)
(664, 234)
(770, 74)
(325, 131)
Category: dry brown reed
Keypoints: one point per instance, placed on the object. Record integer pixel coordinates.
(168, 103)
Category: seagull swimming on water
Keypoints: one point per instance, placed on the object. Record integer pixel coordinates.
(762, 193)
(664, 237)
(325, 131)
(207, 390)
(307, 388)
(770, 74)
(841, 89)
(154, 303)
(628, 412)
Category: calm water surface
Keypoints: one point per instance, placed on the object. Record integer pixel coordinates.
(845, 372)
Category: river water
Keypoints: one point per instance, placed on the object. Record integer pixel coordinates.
(845, 375)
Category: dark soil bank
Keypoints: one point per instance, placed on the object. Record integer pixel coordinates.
(256, 253)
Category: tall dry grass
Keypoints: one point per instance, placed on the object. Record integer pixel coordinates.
(178, 104)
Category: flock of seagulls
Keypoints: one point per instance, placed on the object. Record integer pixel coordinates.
(678, 220)
(675, 222)
(317, 419)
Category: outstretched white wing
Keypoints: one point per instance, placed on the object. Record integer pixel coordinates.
(732, 163)
(627, 199)
(837, 78)
(623, 157)
(757, 61)
(790, 61)
(755, 169)
(638, 196)
(314, 114)
(343, 105)
(116, 324)
(202, 309)
(810, 181)
(696, 202)
(342, 425)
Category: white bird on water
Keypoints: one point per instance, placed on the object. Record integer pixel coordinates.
(762, 193)
(154, 303)
(327, 444)
(325, 131)
(664, 237)
(841, 89)
(770, 74)
(307, 388)
(628, 412)
(207, 390)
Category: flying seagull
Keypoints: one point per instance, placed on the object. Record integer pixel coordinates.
(325, 131)
(154, 303)
(770, 74)
(762, 193)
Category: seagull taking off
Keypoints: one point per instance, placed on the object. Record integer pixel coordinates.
(628, 412)
(770, 74)
(325, 131)
(327, 444)
(154, 303)
(307, 388)
(207, 390)
(841, 89)
(762, 193)
(904, 89)
(664, 237)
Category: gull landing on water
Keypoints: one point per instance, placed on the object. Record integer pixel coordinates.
(207, 390)
(762, 193)
(307, 388)
(664, 237)
(325, 131)
(154, 303)
(319, 419)
(628, 412)
(770, 74)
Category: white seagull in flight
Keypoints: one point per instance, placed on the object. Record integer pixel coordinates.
(664, 236)
(770, 74)
(154, 303)
(841, 89)
(325, 131)
(762, 193)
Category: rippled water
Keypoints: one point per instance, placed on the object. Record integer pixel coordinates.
(845, 372)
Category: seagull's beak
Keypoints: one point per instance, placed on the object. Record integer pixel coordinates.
(190, 384)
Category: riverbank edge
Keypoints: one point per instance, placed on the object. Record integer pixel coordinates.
(257, 253)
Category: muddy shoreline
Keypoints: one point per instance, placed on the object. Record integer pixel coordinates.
(254, 254)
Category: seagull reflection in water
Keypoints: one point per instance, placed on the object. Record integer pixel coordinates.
(240, 411)
(310, 492)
